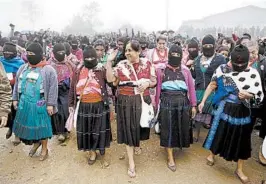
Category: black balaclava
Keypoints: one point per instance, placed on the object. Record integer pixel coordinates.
(68, 48)
(175, 61)
(193, 44)
(113, 45)
(208, 52)
(37, 49)
(74, 44)
(59, 52)
(262, 48)
(240, 58)
(90, 57)
(143, 44)
(9, 50)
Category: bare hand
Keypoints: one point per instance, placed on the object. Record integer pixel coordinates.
(112, 56)
(200, 107)
(143, 86)
(3, 122)
(71, 110)
(50, 110)
(193, 112)
(244, 95)
(15, 105)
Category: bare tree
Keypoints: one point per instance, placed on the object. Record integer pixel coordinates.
(86, 22)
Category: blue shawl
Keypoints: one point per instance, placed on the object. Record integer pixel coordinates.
(11, 65)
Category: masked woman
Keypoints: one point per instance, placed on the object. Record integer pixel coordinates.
(177, 96)
(230, 133)
(63, 70)
(205, 65)
(11, 63)
(35, 98)
(93, 120)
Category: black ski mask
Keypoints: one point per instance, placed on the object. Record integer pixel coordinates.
(74, 44)
(262, 48)
(90, 57)
(193, 49)
(175, 56)
(68, 48)
(240, 58)
(9, 50)
(59, 52)
(35, 53)
(208, 51)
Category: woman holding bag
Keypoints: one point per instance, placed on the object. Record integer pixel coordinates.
(129, 110)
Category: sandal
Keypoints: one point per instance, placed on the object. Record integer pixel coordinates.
(209, 162)
(91, 162)
(61, 138)
(34, 150)
(137, 150)
(44, 157)
(16, 143)
(171, 167)
(246, 181)
(122, 157)
(131, 173)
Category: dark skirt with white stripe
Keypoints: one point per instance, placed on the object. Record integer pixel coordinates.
(174, 118)
(93, 127)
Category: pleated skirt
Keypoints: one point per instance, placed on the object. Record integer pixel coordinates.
(129, 131)
(32, 123)
(93, 127)
(175, 123)
(59, 119)
(230, 134)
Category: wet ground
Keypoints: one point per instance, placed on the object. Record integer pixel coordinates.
(66, 165)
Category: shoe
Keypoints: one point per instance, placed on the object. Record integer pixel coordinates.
(8, 134)
(44, 157)
(34, 150)
(246, 181)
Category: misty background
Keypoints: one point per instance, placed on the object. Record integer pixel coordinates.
(109, 15)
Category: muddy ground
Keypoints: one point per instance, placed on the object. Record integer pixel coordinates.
(66, 165)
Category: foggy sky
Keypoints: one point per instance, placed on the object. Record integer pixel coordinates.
(149, 14)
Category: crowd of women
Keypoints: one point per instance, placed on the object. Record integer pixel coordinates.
(218, 83)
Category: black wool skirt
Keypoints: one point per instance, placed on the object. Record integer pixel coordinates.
(174, 118)
(230, 134)
(129, 131)
(59, 119)
(93, 127)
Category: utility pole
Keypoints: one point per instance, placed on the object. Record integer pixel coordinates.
(167, 15)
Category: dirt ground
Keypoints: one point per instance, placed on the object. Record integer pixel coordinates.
(66, 165)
